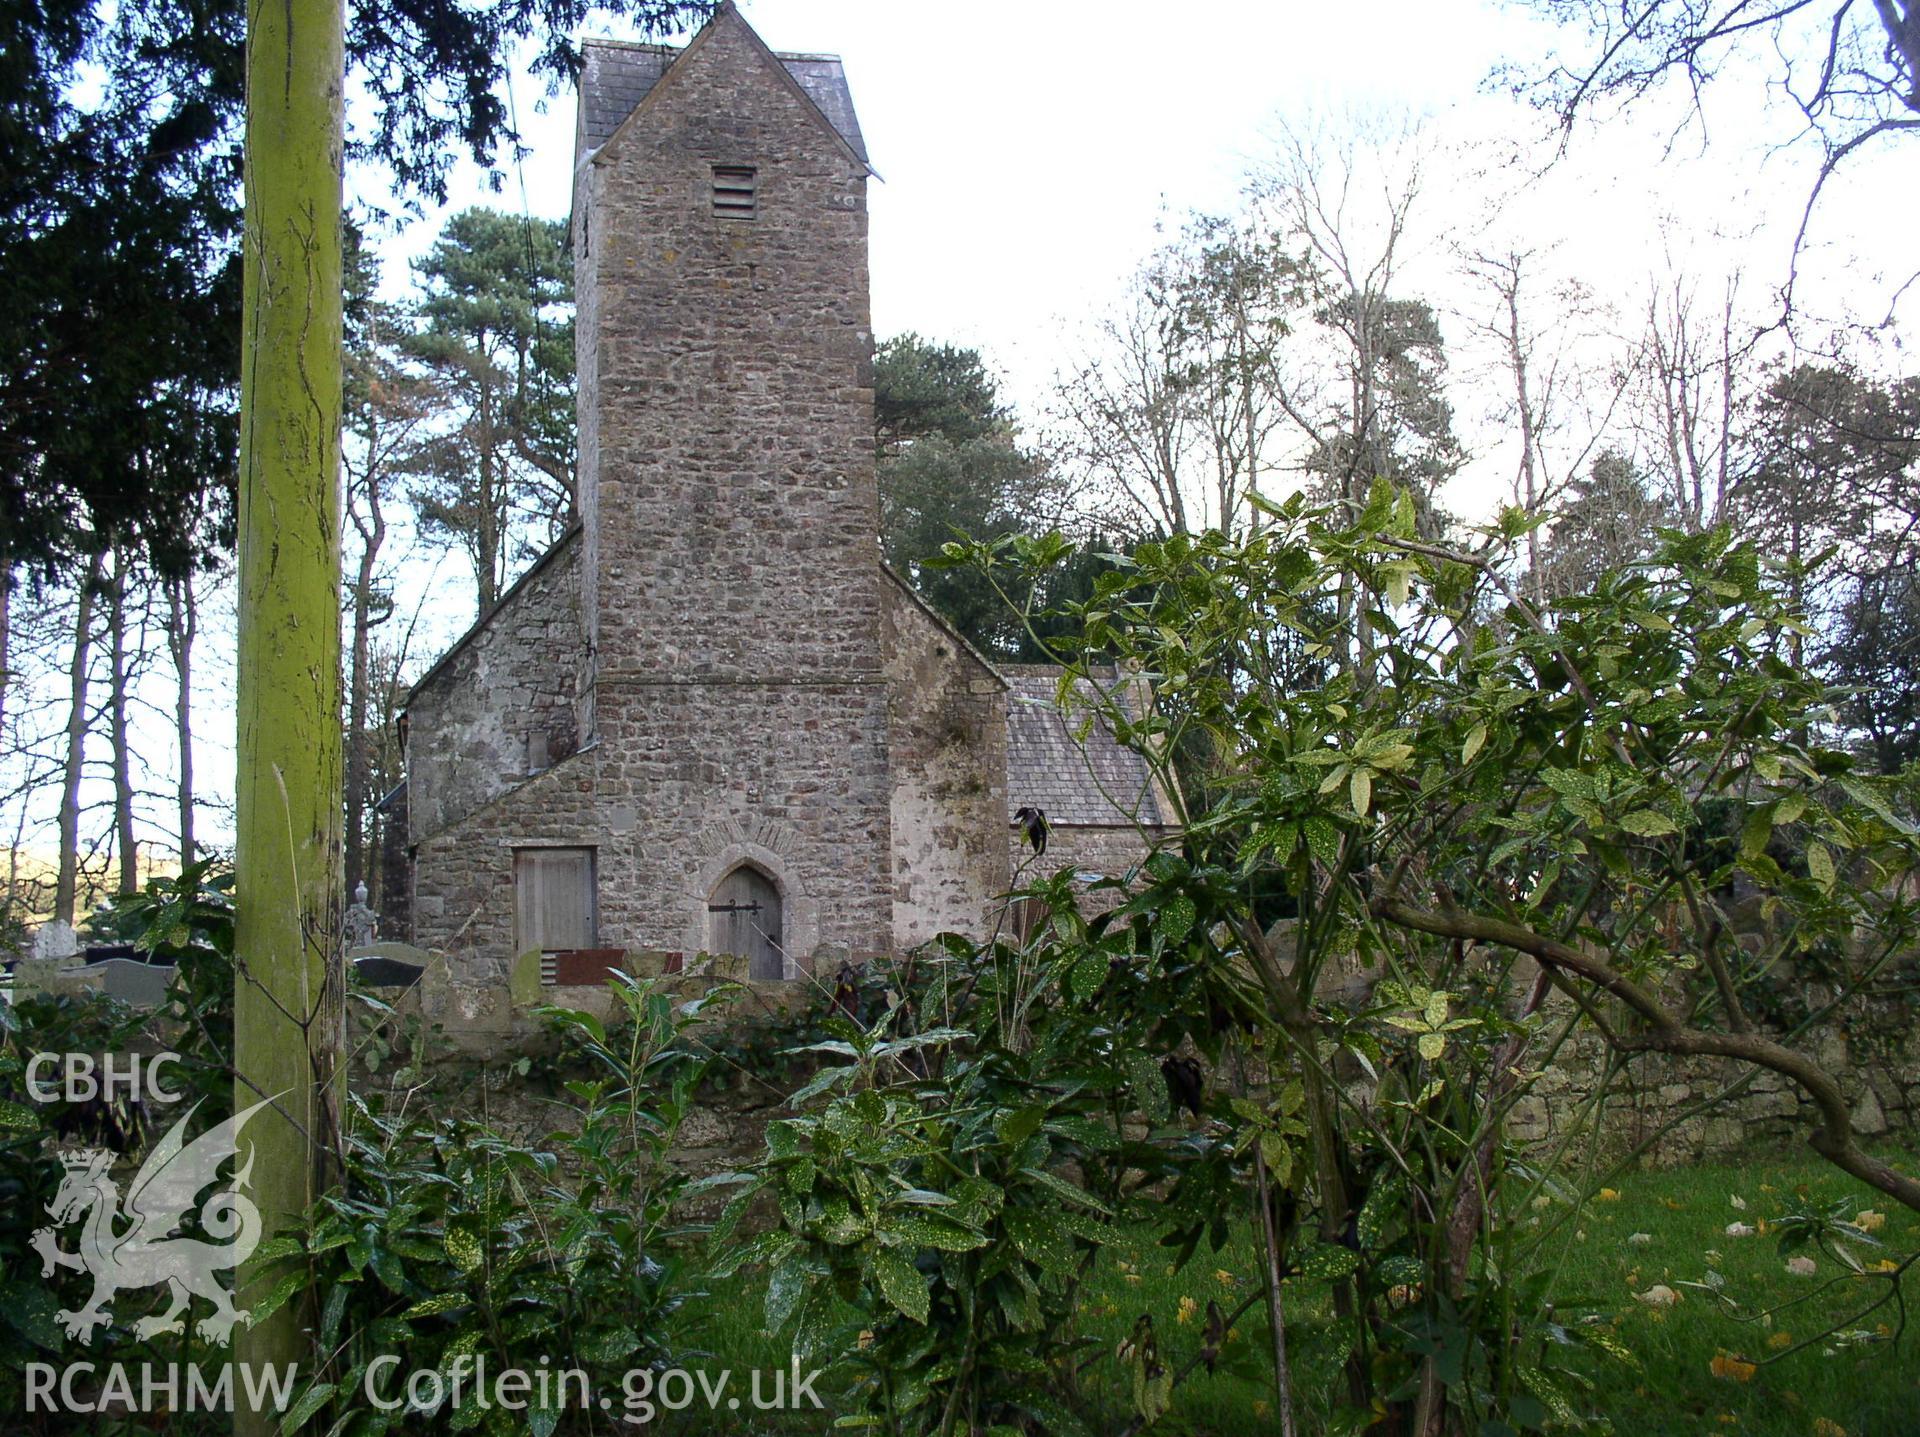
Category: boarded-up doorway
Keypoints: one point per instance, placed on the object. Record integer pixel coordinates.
(743, 918)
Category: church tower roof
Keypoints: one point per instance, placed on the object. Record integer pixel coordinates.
(616, 75)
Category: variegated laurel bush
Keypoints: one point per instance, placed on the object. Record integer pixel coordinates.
(952, 1176)
(1433, 831)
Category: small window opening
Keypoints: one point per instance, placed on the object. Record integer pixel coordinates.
(733, 191)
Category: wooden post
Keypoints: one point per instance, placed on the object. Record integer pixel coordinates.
(289, 991)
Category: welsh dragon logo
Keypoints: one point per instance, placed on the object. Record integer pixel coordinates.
(138, 1247)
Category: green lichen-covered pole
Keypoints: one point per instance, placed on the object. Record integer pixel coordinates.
(287, 850)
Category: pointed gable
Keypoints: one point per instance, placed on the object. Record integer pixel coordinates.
(617, 76)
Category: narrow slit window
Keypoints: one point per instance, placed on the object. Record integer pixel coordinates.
(733, 195)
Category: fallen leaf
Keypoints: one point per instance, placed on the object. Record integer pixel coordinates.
(1188, 1308)
(1740, 1229)
(1606, 1195)
(1735, 1368)
(1802, 1266)
(1867, 1220)
(1780, 1340)
(1659, 1295)
(1639, 1239)
(1738, 1201)
(1824, 1427)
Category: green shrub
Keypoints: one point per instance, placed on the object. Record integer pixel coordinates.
(448, 1240)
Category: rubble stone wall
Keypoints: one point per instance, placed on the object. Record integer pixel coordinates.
(947, 741)
(1664, 1105)
(502, 704)
(1649, 1108)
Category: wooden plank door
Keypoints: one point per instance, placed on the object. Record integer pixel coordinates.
(743, 918)
(553, 898)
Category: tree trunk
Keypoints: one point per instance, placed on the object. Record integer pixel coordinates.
(372, 534)
(488, 567)
(1530, 481)
(1248, 415)
(66, 883)
(6, 631)
(6, 680)
(289, 990)
(182, 621)
(126, 846)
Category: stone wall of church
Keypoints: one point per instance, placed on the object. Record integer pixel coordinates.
(501, 705)
(696, 779)
(947, 757)
(728, 493)
(463, 875)
(727, 467)
(685, 783)
(1109, 851)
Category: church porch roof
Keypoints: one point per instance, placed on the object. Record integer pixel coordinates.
(1095, 782)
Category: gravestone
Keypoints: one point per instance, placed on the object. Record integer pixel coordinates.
(388, 965)
(144, 985)
(55, 939)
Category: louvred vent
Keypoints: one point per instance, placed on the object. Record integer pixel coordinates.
(733, 191)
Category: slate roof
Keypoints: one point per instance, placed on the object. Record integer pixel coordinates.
(615, 76)
(1090, 784)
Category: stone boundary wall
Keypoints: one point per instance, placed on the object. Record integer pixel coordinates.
(481, 1031)
(1654, 1100)
(1649, 1108)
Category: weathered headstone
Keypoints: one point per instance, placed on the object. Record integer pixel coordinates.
(388, 965)
(378, 972)
(55, 939)
(144, 985)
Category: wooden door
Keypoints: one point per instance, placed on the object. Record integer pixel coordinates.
(743, 918)
(553, 898)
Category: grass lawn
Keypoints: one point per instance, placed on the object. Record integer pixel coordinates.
(1864, 1388)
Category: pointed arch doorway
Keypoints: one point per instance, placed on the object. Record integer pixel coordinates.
(744, 918)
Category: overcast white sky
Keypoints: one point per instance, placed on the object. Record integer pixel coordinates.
(1030, 150)
(1031, 154)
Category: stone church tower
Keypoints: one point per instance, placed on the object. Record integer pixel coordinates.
(710, 718)
(727, 483)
